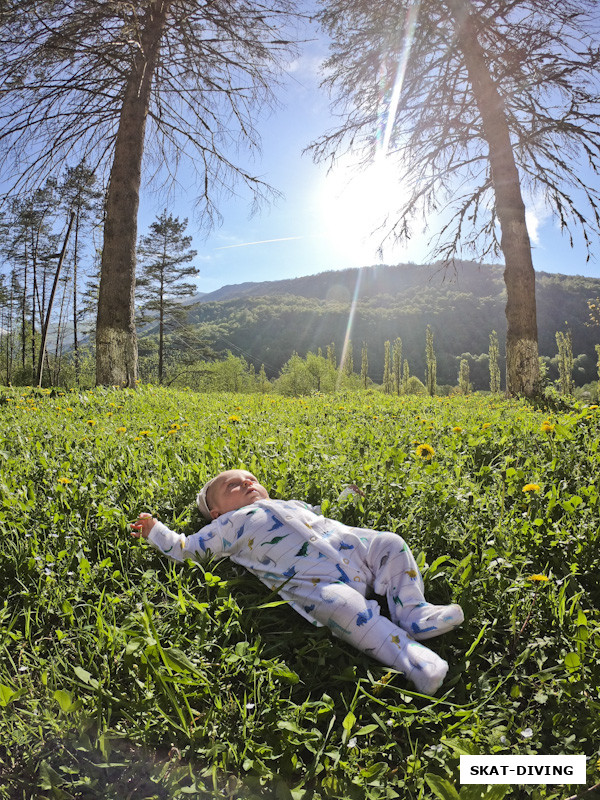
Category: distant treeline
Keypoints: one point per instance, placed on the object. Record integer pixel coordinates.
(461, 309)
(294, 333)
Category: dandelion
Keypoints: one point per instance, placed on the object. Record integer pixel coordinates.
(65, 481)
(457, 429)
(539, 578)
(233, 418)
(547, 427)
(122, 429)
(91, 422)
(425, 451)
(144, 433)
(531, 487)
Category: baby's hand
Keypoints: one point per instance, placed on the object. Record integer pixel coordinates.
(143, 525)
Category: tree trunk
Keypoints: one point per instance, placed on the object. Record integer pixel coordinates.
(75, 265)
(522, 363)
(116, 341)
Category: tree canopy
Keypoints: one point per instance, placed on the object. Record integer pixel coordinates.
(472, 101)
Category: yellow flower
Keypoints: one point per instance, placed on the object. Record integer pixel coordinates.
(65, 481)
(537, 577)
(486, 425)
(121, 429)
(233, 418)
(457, 429)
(531, 487)
(593, 407)
(174, 426)
(547, 427)
(91, 422)
(144, 433)
(425, 451)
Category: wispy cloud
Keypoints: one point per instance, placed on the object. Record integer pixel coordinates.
(263, 241)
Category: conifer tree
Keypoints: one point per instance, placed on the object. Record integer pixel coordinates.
(164, 255)
(485, 96)
(103, 79)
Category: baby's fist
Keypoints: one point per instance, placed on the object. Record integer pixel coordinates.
(143, 525)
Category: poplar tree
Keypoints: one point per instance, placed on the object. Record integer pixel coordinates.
(397, 359)
(431, 362)
(467, 101)
(96, 80)
(348, 356)
(494, 354)
(463, 376)
(388, 380)
(331, 354)
(405, 376)
(364, 366)
(564, 342)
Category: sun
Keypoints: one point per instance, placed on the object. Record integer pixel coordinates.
(356, 207)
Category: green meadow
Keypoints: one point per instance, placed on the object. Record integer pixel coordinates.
(125, 676)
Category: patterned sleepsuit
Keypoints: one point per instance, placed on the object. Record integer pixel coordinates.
(325, 570)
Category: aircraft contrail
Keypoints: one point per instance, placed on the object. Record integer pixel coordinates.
(263, 241)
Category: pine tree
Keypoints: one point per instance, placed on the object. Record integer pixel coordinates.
(485, 96)
(162, 254)
(103, 79)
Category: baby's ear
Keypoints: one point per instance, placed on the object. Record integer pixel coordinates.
(214, 513)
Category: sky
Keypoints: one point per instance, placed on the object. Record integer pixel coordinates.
(324, 220)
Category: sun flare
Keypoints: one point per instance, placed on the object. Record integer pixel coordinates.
(356, 206)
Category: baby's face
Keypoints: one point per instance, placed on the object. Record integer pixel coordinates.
(232, 490)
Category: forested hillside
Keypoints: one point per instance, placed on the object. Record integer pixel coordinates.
(266, 322)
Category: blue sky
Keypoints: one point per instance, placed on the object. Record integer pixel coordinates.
(323, 221)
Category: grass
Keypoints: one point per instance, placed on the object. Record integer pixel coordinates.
(124, 676)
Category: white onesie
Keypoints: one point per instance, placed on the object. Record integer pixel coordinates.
(325, 570)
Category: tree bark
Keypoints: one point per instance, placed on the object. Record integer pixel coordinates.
(522, 364)
(116, 340)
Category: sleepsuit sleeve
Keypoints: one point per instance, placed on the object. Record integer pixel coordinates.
(179, 547)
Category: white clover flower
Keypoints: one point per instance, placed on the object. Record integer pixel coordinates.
(527, 733)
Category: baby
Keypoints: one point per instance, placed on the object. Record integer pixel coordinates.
(324, 569)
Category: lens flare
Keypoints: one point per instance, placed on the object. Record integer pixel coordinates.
(353, 305)
(387, 114)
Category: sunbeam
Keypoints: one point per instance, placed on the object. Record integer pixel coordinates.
(353, 305)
